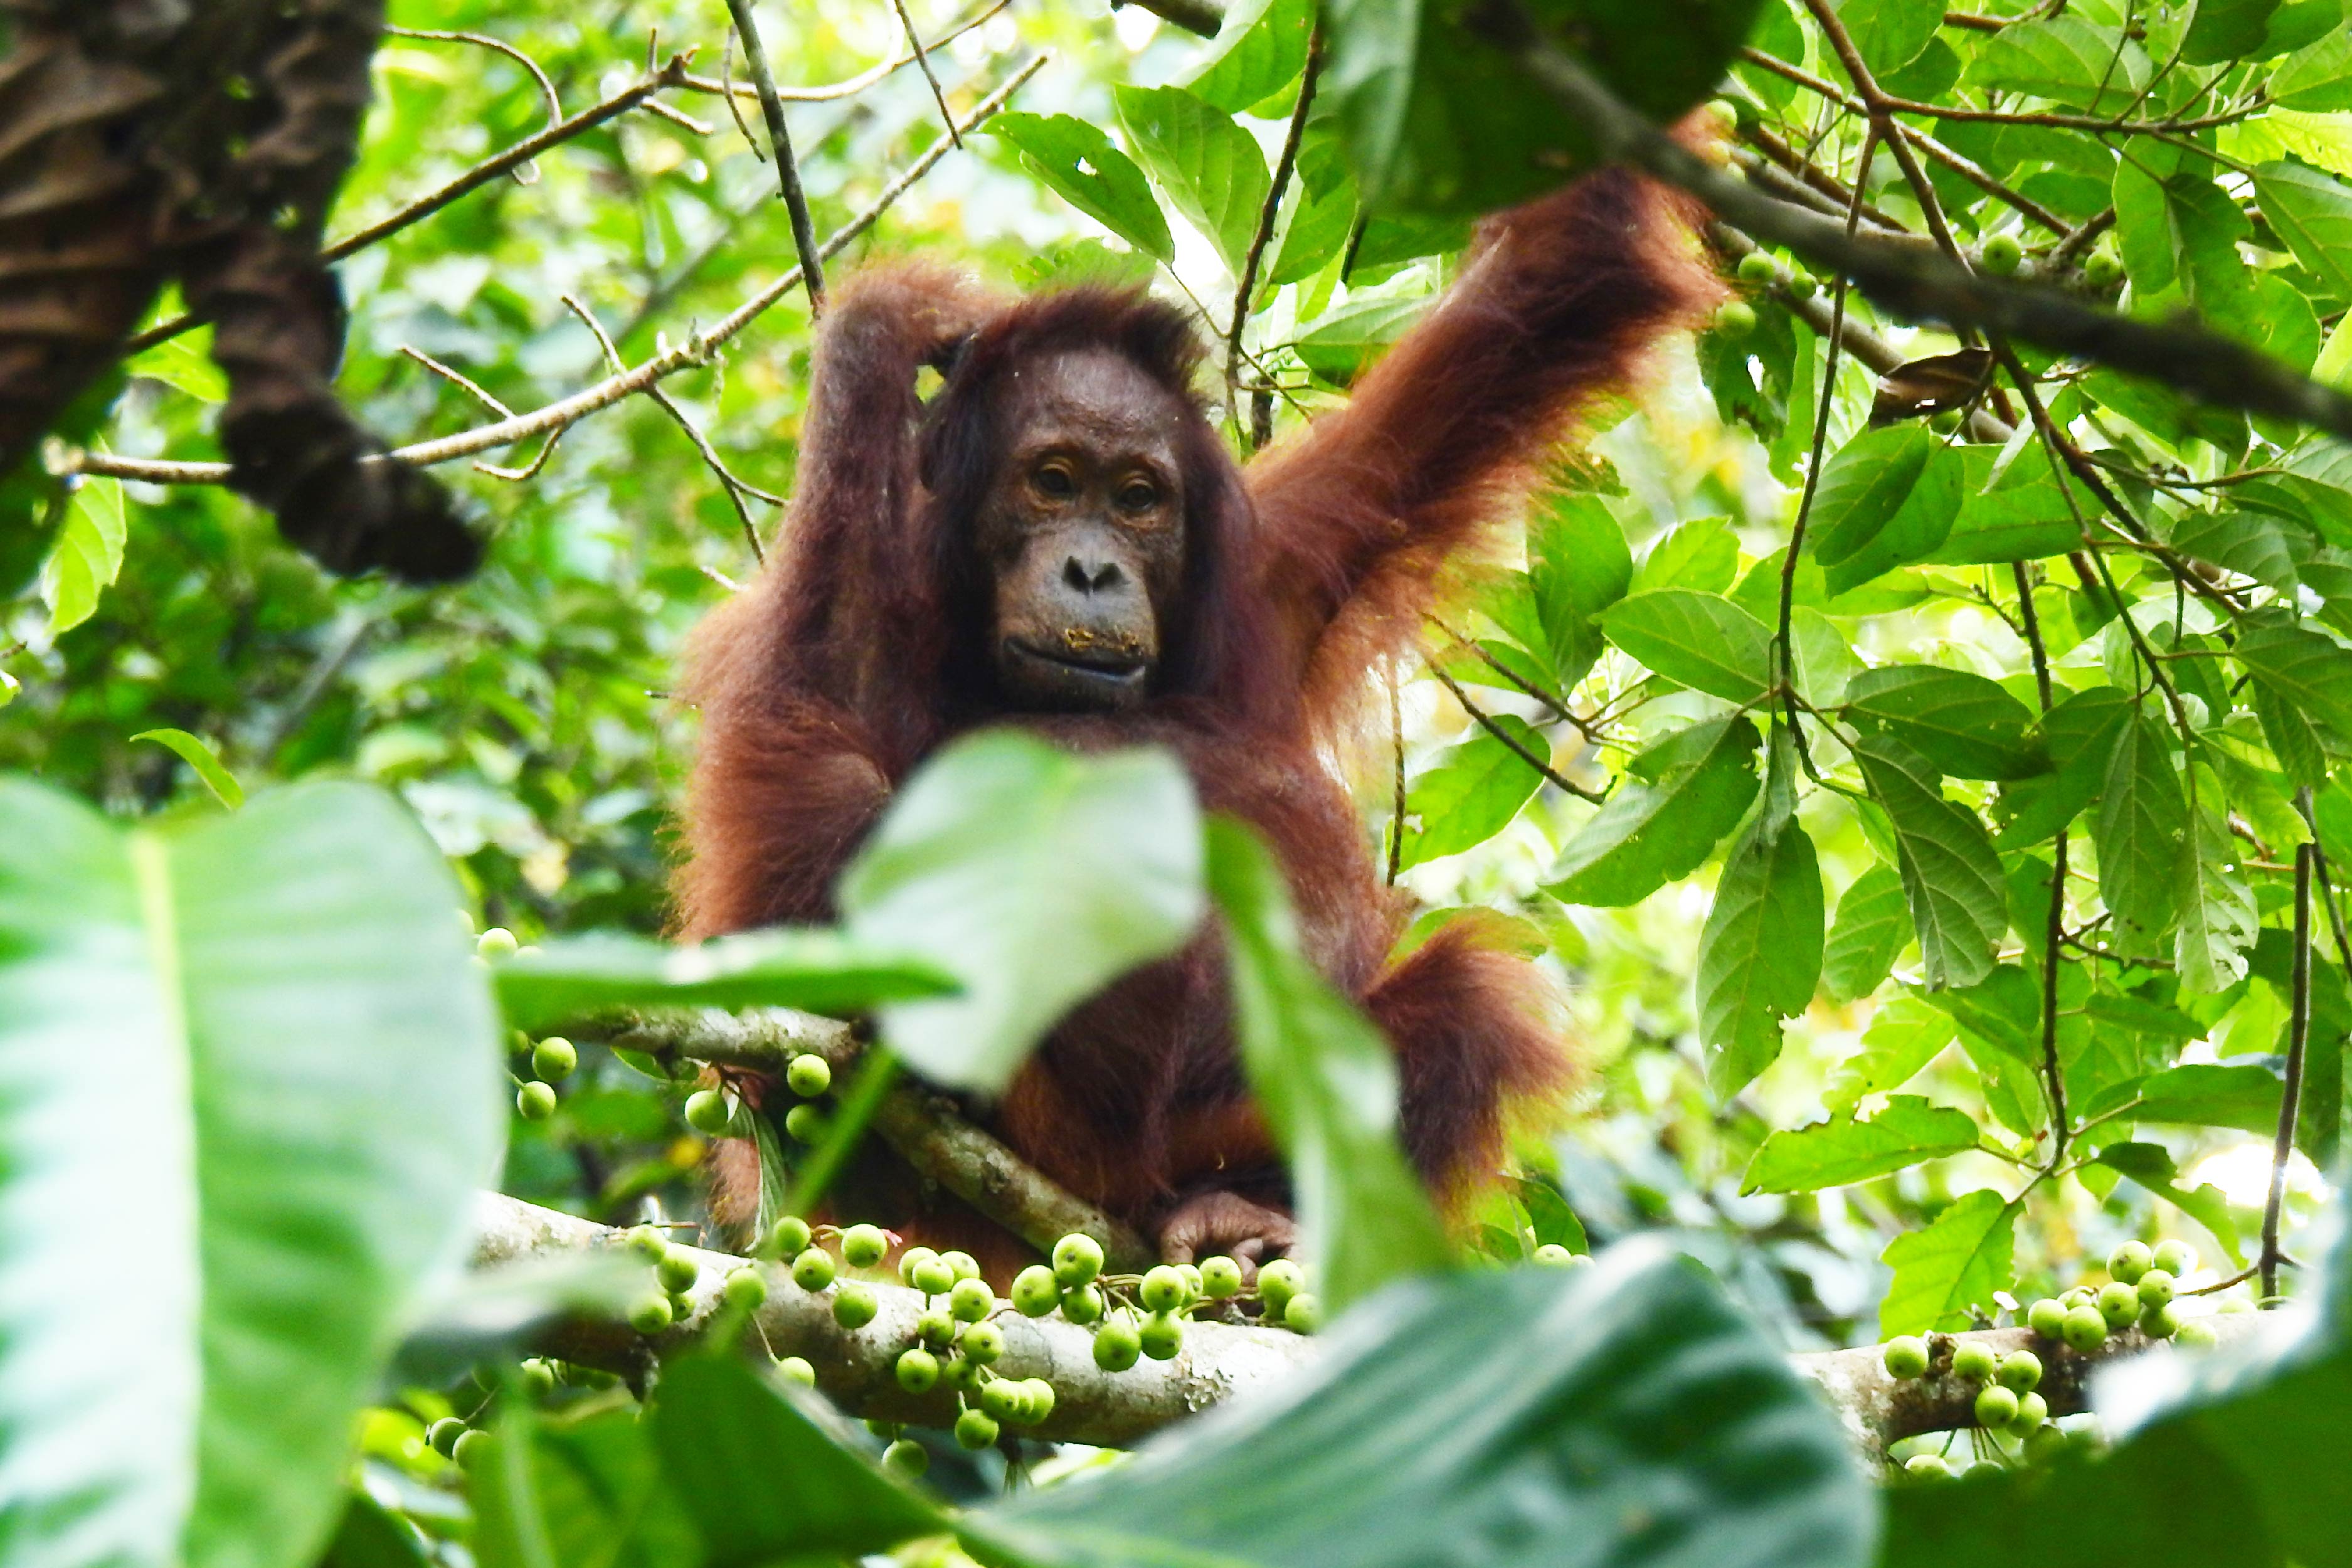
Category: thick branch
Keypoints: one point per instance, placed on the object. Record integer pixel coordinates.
(1202, 17)
(1917, 286)
(925, 1127)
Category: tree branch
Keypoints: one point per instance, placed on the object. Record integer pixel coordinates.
(1202, 17)
(780, 140)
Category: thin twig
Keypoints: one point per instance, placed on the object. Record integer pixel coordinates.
(463, 382)
(2002, 116)
(1396, 739)
(734, 104)
(483, 40)
(848, 88)
(2298, 1035)
(1511, 743)
(1246, 288)
(677, 116)
(2029, 620)
(780, 142)
(923, 60)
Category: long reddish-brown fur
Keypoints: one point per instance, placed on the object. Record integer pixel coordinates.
(858, 651)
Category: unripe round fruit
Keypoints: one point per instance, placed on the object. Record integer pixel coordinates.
(2119, 1304)
(2160, 1322)
(681, 1306)
(649, 1242)
(1190, 1274)
(1973, 1361)
(1278, 1282)
(1040, 1402)
(1220, 1277)
(1303, 1313)
(1003, 1399)
(886, 1430)
(535, 1102)
(2033, 1410)
(791, 1236)
(960, 1374)
(1552, 1255)
(970, 1300)
(1801, 284)
(468, 1450)
(1117, 1344)
(1996, 1405)
(677, 1270)
(806, 1124)
(1735, 319)
(906, 1458)
(2079, 1295)
(965, 1265)
(1905, 1356)
(913, 1257)
(2195, 1333)
(1078, 1258)
(706, 1112)
(2044, 1443)
(746, 1289)
(2156, 1287)
(981, 1343)
(975, 1429)
(2103, 269)
(1932, 1466)
(917, 1370)
(1758, 267)
(2021, 1370)
(813, 1270)
(2129, 1261)
(650, 1314)
(554, 1057)
(864, 1246)
(797, 1369)
(2001, 255)
(809, 1076)
(496, 942)
(2176, 1257)
(538, 1379)
(1035, 1292)
(2235, 1306)
(936, 1328)
(443, 1434)
(934, 1276)
(1162, 1289)
(1161, 1336)
(1083, 1305)
(2047, 1318)
(2086, 1329)
(854, 1305)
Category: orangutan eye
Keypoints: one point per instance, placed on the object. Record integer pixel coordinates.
(1054, 480)
(1139, 496)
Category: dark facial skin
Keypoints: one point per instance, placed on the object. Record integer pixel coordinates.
(1084, 533)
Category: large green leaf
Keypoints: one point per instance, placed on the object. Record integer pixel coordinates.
(2225, 29)
(1578, 565)
(1616, 1416)
(2011, 513)
(1960, 901)
(1965, 724)
(818, 970)
(1439, 120)
(1841, 1150)
(1078, 161)
(2065, 59)
(1035, 877)
(1950, 1267)
(1326, 1081)
(1759, 954)
(1886, 498)
(585, 1492)
(2313, 213)
(2079, 734)
(1890, 33)
(2316, 79)
(1904, 1034)
(1678, 800)
(1471, 792)
(2150, 1166)
(2218, 914)
(2213, 1094)
(1210, 167)
(1260, 50)
(1702, 640)
(2310, 671)
(257, 1046)
(1348, 339)
(1872, 925)
(2179, 231)
(87, 555)
(2142, 825)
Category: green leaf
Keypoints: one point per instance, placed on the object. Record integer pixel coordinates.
(1210, 167)
(2308, 670)
(2289, 732)
(199, 756)
(1578, 565)
(2180, 230)
(2213, 1094)
(1841, 1150)
(1950, 1267)
(1681, 796)
(2217, 915)
(1439, 120)
(763, 1482)
(1871, 926)
(2150, 1166)
(1260, 50)
(1965, 724)
(1759, 955)
(2316, 79)
(1824, 661)
(1890, 33)
(2141, 832)
(257, 1044)
(2313, 213)
(1077, 161)
(1887, 499)
(2226, 29)
(1617, 1414)
(1701, 553)
(2246, 543)
(2079, 734)
(87, 555)
(2065, 59)
(1702, 640)
(583, 1491)
(370, 1535)
(2012, 513)
(1960, 902)
(1032, 875)
(1473, 791)
(1904, 1034)
(1322, 210)
(816, 971)
(1342, 343)
(1326, 1081)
